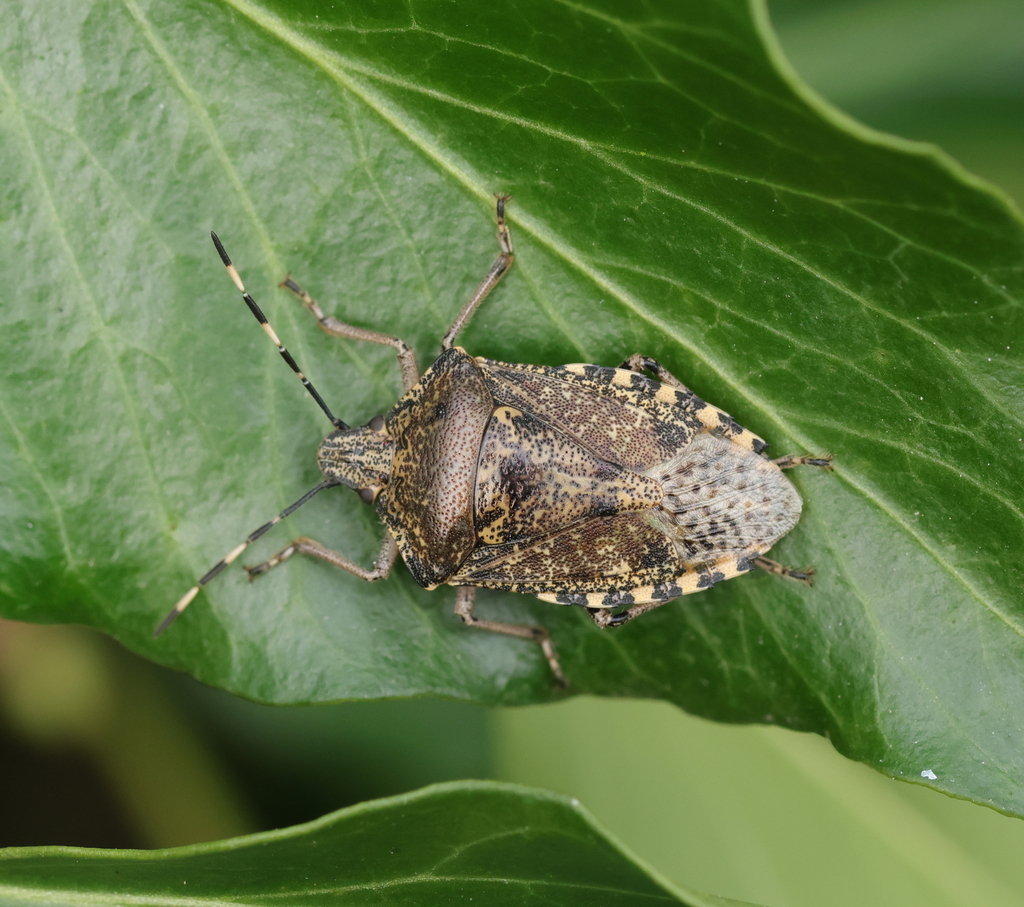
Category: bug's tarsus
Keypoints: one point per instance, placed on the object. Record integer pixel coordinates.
(465, 598)
(186, 599)
(769, 566)
(788, 462)
(498, 270)
(603, 618)
(271, 333)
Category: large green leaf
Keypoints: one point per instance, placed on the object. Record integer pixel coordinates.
(674, 194)
(470, 842)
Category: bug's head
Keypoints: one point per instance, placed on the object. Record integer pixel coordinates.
(359, 457)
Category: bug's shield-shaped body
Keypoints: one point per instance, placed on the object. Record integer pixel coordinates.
(579, 484)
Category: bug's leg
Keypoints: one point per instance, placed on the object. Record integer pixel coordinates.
(803, 576)
(381, 566)
(605, 617)
(406, 356)
(789, 462)
(640, 363)
(464, 600)
(501, 264)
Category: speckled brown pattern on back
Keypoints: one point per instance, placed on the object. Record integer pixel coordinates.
(582, 483)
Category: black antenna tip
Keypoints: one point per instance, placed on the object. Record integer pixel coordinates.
(165, 623)
(220, 249)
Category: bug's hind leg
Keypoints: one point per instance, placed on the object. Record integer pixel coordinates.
(807, 574)
(769, 566)
(381, 566)
(640, 363)
(605, 617)
(465, 597)
(406, 356)
(790, 461)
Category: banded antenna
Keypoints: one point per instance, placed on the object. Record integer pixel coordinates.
(186, 599)
(272, 334)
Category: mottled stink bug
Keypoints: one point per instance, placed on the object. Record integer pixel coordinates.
(579, 484)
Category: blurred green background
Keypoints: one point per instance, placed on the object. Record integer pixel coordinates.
(101, 749)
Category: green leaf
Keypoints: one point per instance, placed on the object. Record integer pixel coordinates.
(470, 842)
(676, 193)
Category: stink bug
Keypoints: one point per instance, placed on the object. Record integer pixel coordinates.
(579, 484)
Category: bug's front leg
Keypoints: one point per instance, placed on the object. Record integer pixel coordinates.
(381, 566)
(406, 356)
(465, 598)
(498, 270)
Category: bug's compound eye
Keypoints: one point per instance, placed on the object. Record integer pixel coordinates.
(366, 495)
(376, 423)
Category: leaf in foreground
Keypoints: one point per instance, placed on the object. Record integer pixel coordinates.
(470, 842)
